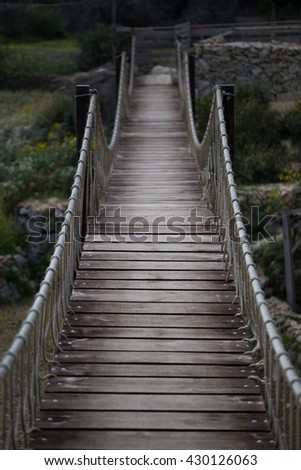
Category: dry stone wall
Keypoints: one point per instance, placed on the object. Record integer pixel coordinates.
(39, 222)
(275, 64)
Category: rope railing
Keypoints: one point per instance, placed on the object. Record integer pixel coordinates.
(277, 376)
(26, 365)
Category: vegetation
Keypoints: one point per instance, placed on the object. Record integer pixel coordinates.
(34, 141)
(261, 156)
(8, 237)
(96, 47)
(11, 318)
(27, 65)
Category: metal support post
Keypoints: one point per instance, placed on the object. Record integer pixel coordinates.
(82, 100)
(228, 105)
(191, 65)
(288, 259)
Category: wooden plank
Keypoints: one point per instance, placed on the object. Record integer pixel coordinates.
(131, 196)
(140, 420)
(153, 184)
(209, 440)
(173, 225)
(80, 318)
(179, 176)
(153, 357)
(153, 278)
(157, 208)
(136, 308)
(147, 344)
(153, 285)
(154, 247)
(132, 295)
(140, 332)
(176, 173)
(175, 230)
(130, 165)
(146, 402)
(152, 265)
(186, 276)
(151, 370)
(161, 275)
(153, 385)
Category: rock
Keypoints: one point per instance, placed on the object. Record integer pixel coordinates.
(20, 261)
(12, 276)
(155, 79)
(100, 78)
(294, 69)
(160, 69)
(204, 65)
(257, 71)
(9, 293)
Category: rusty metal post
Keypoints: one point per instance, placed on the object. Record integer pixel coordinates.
(118, 58)
(288, 259)
(191, 65)
(82, 100)
(228, 105)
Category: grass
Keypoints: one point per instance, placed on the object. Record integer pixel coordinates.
(38, 58)
(22, 108)
(30, 110)
(66, 43)
(11, 318)
(47, 61)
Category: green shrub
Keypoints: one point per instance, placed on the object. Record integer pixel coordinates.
(39, 23)
(25, 176)
(270, 257)
(17, 67)
(290, 120)
(96, 47)
(32, 110)
(202, 114)
(259, 163)
(37, 145)
(261, 156)
(21, 21)
(55, 108)
(7, 238)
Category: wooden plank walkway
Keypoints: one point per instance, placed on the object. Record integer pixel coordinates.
(153, 356)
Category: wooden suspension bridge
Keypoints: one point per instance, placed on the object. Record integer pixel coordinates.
(150, 324)
(153, 354)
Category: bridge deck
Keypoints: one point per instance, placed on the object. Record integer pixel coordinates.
(152, 356)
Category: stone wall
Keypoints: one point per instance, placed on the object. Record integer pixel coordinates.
(39, 223)
(276, 64)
